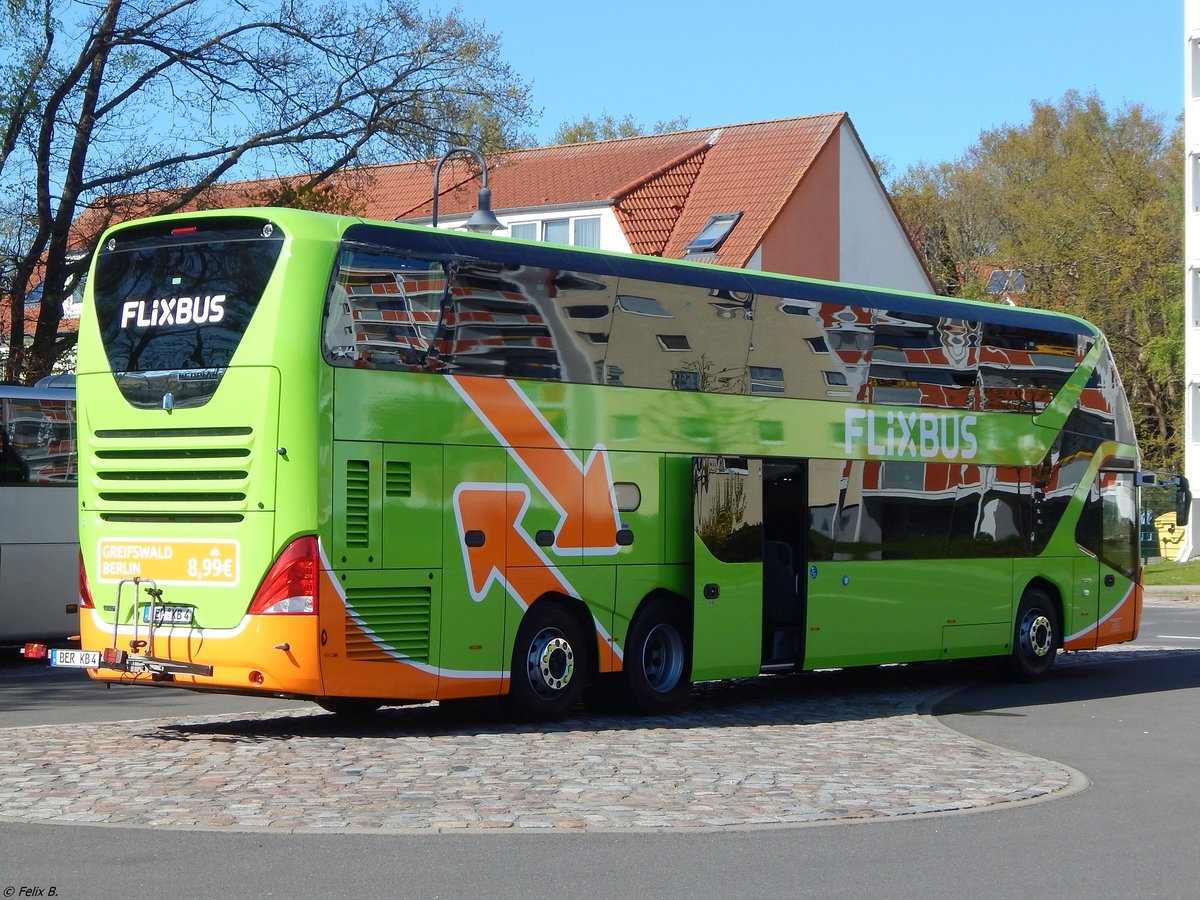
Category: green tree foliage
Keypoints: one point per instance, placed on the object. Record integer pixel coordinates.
(607, 128)
(117, 106)
(1085, 202)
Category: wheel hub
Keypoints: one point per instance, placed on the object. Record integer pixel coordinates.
(1039, 637)
(551, 663)
(662, 658)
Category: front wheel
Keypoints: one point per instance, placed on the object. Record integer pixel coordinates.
(657, 657)
(1035, 636)
(550, 663)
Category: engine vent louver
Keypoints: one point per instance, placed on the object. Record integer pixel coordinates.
(177, 473)
(386, 623)
(397, 478)
(358, 503)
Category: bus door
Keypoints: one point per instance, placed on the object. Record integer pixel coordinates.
(785, 561)
(1104, 606)
(750, 557)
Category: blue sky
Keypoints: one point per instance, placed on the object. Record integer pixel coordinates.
(920, 79)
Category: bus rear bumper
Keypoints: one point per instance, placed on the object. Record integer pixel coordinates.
(263, 654)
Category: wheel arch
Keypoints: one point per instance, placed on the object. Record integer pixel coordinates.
(670, 596)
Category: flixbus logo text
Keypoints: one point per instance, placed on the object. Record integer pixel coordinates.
(915, 435)
(198, 310)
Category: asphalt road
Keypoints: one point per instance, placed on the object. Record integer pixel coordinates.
(1129, 720)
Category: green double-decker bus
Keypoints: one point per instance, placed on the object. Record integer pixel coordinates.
(367, 463)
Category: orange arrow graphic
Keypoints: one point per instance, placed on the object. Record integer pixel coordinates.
(582, 494)
(507, 556)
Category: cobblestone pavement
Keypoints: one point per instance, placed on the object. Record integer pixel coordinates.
(769, 751)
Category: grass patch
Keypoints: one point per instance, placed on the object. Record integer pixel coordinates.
(1168, 573)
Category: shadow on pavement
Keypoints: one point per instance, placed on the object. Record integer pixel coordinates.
(805, 699)
(1087, 676)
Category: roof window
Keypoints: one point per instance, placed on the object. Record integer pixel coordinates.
(713, 234)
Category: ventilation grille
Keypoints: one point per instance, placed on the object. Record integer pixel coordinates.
(172, 470)
(397, 617)
(358, 503)
(397, 478)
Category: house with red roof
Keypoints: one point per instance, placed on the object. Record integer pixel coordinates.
(796, 196)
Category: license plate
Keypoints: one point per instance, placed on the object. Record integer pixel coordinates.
(168, 615)
(75, 659)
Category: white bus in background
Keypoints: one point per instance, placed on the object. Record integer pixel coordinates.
(39, 537)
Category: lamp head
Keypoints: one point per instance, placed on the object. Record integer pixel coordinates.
(483, 221)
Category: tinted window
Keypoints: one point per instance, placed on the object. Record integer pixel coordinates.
(1119, 530)
(503, 315)
(173, 305)
(923, 360)
(1108, 525)
(388, 311)
(1021, 369)
(728, 514)
(1103, 410)
(37, 441)
(912, 510)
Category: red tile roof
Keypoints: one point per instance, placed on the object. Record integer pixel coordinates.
(663, 187)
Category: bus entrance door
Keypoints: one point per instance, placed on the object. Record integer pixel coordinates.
(750, 559)
(727, 515)
(785, 538)
(1105, 607)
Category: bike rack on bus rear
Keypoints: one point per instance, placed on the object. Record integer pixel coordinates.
(133, 661)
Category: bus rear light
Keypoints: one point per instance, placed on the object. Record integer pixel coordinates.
(35, 651)
(290, 588)
(85, 591)
(111, 656)
(257, 678)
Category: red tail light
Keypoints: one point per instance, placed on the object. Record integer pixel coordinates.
(85, 591)
(290, 588)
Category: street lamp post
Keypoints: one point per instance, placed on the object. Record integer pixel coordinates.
(482, 220)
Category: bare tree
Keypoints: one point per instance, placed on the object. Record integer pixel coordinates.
(113, 105)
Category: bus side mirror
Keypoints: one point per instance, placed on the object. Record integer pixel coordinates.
(1183, 505)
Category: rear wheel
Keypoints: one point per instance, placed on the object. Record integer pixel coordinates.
(1036, 636)
(550, 663)
(657, 657)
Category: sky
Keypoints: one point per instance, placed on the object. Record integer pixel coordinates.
(921, 80)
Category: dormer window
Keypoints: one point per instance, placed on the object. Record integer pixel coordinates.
(713, 234)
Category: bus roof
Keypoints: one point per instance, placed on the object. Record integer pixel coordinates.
(441, 244)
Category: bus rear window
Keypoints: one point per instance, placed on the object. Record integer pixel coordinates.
(173, 303)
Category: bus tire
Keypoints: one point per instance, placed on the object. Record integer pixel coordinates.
(550, 663)
(658, 664)
(349, 707)
(1036, 636)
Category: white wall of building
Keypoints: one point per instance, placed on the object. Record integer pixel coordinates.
(873, 249)
(1191, 256)
(611, 236)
